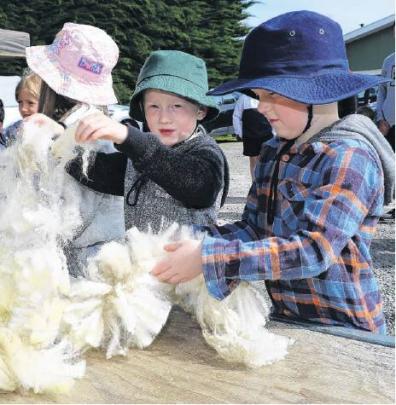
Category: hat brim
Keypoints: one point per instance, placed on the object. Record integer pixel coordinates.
(175, 85)
(319, 89)
(65, 84)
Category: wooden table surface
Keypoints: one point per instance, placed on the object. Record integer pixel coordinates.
(179, 367)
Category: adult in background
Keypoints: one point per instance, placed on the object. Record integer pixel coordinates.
(252, 127)
(386, 101)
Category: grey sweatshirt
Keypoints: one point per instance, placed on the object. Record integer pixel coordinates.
(180, 184)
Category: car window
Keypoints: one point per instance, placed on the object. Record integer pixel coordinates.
(7, 90)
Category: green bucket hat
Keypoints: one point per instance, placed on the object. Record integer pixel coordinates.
(176, 72)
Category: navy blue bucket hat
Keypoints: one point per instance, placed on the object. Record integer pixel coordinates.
(300, 55)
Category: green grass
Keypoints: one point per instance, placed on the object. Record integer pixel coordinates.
(225, 138)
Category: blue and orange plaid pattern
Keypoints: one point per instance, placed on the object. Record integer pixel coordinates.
(314, 257)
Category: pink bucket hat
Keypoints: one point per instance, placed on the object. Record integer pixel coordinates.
(77, 64)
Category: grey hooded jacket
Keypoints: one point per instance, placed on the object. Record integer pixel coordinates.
(357, 126)
(180, 184)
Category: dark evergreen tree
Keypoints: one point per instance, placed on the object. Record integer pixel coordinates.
(211, 29)
(217, 37)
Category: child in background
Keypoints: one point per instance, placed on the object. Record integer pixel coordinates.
(176, 172)
(319, 184)
(27, 93)
(75, 71)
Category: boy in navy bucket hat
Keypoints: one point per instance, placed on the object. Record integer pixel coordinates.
(319, 186)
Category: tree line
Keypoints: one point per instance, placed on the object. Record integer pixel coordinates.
(210, 29)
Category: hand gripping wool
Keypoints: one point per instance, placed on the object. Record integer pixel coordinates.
(63, 147)
(234, 327)
(131, 307)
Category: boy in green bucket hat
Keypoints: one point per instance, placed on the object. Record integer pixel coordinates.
(174, 172)
(178, 73)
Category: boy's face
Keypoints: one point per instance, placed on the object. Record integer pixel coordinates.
(173, 119)
(287, 117)
(28, 104)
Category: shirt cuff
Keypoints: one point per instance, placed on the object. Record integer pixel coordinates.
(213, 267)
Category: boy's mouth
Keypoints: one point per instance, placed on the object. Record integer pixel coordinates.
(166, 132)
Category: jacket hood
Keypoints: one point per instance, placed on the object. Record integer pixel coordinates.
(357, 126)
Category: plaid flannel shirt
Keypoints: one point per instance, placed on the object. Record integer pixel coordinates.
(315, 256)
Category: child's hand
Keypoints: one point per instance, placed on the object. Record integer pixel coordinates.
(42, 120)
(183, 263)
(99, 126)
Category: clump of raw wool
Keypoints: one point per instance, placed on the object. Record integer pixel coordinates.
(123, 304)
(235, 326)
(129, 307)
(39, 211)
(52, 369)
(63, 147)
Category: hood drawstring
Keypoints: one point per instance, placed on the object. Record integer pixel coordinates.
(275, 181)
(136, 186)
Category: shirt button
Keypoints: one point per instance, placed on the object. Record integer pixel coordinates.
(285, 158)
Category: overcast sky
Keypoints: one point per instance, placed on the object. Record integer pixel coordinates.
(348, 13)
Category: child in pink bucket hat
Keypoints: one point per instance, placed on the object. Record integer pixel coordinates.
(77, 64)
(76, 74)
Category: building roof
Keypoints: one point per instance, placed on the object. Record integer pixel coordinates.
(370, 29)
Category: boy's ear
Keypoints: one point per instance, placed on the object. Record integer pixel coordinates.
(202, 111)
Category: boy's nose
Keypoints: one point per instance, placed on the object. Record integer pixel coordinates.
(164, 115)
(264, 106)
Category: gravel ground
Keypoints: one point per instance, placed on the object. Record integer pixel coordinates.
(382, 248)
